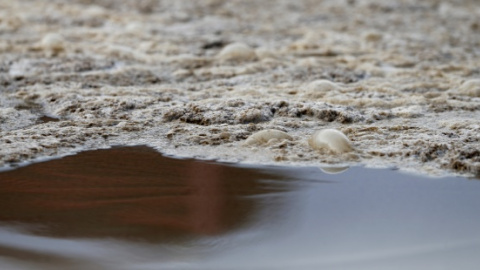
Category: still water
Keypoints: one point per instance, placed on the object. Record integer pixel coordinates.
(132, 208)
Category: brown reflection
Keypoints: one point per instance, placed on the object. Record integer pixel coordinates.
(134, 193)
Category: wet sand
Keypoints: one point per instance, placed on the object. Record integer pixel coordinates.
(132, 208)
(88, 74)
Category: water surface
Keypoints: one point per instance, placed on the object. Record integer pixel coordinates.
(132, 208)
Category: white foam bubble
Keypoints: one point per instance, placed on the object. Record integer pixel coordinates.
(330, 139)
(237, 52)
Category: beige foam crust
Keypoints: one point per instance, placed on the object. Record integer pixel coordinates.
(264, 136)
(395, 79)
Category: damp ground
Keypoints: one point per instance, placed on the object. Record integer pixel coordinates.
(133, 208)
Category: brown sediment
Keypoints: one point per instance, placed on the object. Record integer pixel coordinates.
(128, 72)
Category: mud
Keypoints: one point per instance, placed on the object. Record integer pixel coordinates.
(89, 74)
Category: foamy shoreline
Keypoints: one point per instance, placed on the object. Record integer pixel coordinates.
(404, 80)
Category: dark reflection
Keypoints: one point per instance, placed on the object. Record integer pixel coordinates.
(37, 257)
(131, 208)
(133, 193)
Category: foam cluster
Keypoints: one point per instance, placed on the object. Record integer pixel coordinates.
(331, 140)
(266, 136)
(237, 52)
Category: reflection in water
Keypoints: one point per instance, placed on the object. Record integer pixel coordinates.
(131, 208)
(333, 170)
(134, 190)
(131, 194)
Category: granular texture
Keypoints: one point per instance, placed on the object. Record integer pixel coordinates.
(197, 78)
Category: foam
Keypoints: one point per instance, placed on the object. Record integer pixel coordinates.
(237, 52)
(399, 84)
(470, 88)
(330, 139)
(267, 135)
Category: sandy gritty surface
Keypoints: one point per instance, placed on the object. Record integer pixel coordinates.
(87, 74)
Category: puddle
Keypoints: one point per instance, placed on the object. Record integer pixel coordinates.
(132, 208)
